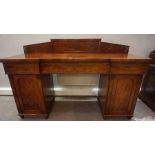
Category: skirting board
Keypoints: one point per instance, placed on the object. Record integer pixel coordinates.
(6, 91)
(60, 91)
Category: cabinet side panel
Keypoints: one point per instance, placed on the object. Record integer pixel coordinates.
(123, 92)
(48, 90)
(103, 91)
(11, 79)
(29, 91)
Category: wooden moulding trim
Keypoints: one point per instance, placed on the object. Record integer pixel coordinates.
(33, 114)
(74, 60)
(21, 68)
(125, 115)
(84, 39)
(146, 60)
(19, 60)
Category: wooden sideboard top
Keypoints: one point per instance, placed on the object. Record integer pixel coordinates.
(75, 50)
(71, 57)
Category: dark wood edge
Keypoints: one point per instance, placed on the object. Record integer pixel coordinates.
(74, 60)
(84, 39)
(6, 60)
(117, 115)
(34, 115)
(145, 60)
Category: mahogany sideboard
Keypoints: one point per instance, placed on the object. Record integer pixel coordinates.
(120, 74)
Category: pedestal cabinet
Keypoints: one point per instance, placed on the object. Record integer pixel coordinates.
(122, 95)
(33, 94)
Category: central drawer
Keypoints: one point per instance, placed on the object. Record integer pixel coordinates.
(75, 67)
(21, 68)
(128, 68)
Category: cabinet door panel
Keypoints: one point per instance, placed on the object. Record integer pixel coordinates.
(123, 92)
(29, 92)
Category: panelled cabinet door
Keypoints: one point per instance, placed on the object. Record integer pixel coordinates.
(28, 89)
(123, 91)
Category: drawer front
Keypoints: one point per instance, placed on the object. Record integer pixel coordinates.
(128, 68)
(21, 68)
(93, 68)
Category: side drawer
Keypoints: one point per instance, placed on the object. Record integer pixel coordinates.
(65, 67)
(128, 68)
(21, 68)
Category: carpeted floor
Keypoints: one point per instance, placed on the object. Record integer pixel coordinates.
(68, 110)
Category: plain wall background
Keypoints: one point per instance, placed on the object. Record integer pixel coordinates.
(140, 44)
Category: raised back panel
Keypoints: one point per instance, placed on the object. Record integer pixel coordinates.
(38, 48)
(75, 45)
(113, 48)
